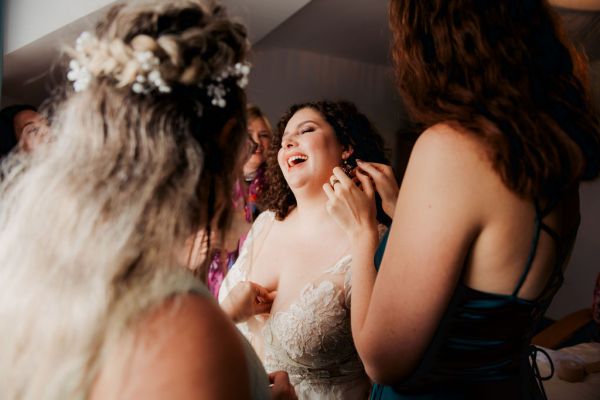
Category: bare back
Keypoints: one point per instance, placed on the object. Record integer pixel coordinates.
(466, 259)
(510, 247)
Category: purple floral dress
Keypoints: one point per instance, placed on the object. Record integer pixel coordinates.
(245, 200)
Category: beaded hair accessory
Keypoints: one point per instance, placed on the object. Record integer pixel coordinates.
(140, 69)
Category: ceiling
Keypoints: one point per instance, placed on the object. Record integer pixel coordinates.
(355, 30)
(34, 32)
(358, 29)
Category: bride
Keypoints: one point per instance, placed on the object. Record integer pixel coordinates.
(295, 264)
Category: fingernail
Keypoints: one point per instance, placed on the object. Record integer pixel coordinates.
(358, 161)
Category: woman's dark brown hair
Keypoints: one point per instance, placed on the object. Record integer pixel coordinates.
(503, 70)
(352, 129)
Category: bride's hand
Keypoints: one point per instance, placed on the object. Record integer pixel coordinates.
(246, 300)
(353, 208)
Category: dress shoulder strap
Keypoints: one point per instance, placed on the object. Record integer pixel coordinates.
(540, 225)
(240, 270)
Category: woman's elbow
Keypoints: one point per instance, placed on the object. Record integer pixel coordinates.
(385, 374)
(383, 365)
(380, 375)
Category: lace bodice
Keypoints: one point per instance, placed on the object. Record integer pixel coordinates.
(311, 339)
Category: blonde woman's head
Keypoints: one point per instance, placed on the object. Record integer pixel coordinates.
(259, 129)
(128, 176)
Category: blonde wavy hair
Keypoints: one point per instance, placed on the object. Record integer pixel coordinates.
(127, 178)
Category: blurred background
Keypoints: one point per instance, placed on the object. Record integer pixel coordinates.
(302, 50)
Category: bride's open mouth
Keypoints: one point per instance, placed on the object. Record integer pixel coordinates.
(295, 160)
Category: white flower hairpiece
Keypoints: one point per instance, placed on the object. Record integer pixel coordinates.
(149, 77)
(80, 76)
(217, 90)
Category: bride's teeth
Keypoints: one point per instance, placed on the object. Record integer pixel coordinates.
(294, 158)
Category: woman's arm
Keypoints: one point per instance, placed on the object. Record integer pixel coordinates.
(239, 297)
(185, 349)
(241, 268)
(395, 314)
(247, 299)
(582, 5)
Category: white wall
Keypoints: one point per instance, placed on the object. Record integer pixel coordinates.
(282, 77)
(28, 20)
(35, 29)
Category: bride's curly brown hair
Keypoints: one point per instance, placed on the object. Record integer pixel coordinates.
(505, 71)
(352, 129)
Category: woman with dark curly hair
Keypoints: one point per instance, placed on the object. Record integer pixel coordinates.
(94, 302)
(298, 250)
(488, 210)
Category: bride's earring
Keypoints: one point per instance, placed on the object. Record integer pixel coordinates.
(346, 167)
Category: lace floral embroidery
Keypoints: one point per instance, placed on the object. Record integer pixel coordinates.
(312, 338)
(315, 316)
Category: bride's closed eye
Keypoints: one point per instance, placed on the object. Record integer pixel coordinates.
(306, 130)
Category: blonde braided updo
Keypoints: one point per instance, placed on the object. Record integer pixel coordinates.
(108, 204)
(146, 62)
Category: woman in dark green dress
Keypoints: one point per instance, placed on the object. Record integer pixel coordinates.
(488, 209)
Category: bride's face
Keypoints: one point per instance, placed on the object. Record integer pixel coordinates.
(309, 150)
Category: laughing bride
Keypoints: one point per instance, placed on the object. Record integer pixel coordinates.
(290, 290)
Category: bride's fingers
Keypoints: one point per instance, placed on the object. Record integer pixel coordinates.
(262, 308)
(271, 295)
(328, 191)
(342, 177)
(267, 298)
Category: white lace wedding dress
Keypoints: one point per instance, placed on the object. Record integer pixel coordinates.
(311, 340)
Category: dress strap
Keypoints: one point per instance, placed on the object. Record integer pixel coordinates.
(540, 214)
(533, 352)
(550, 232)
(543, 212)
(377, 392)
(532, 251)
(264, 221)
(383, 238)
